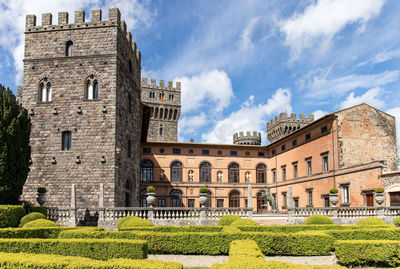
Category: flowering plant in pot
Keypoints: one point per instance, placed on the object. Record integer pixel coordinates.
(333, 196)
(151, 195)
(379, 195)
(203, 196)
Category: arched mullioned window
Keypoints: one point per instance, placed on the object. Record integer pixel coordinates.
(92, 89)
(176, 198)
(69, 48)
(46, 91)
(261, 173)
(233, 172)
(176, 171)
(205, 172)
(146, 171)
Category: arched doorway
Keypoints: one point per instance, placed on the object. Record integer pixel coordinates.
(261, 203)
(234, 199)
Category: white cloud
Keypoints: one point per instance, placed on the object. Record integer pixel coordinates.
(210, 88)
(250, 116)
(245, 41)
(323, 19)
(371, 97)
(319, 86)
(12, 19)
(319, 114)
(396, 113)
(382, 56)
(190, 124)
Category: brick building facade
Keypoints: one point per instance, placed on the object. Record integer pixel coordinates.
(94, 120)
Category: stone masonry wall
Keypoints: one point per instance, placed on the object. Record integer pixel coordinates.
(96, 129)
(364, 134)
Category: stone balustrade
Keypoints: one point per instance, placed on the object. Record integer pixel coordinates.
(343, 215)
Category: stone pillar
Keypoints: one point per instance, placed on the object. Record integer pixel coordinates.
(101, 201)
(73, 220)
(150, 213)
(203, 216)
(290, 196)
(249, 200)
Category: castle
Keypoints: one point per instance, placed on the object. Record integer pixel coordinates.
(96, 121)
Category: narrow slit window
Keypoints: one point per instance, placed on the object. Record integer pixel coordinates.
(66, 140)
(69, 49)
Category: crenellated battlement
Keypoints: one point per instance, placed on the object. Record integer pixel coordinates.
(283, 117)
(283, 125)
(96, 21)
(161, 85)
(250, 138)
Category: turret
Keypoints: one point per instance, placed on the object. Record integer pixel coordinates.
(283, 125)
(253, 138)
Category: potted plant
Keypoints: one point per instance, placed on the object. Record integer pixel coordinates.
(41, 198)
(151, 195)
(333, 196)
(379, 195)
(203, 196)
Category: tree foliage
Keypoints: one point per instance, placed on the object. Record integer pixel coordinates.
(15, 152)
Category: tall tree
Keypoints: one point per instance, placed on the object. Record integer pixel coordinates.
(15, 152)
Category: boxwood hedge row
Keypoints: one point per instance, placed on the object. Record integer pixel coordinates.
(10, 215)
(368, 252)
(246, 254)
(300, 228)
(25, 260)
(173, 229)
(40, 232)
(90, 248)
(365, 234)
(294, 244)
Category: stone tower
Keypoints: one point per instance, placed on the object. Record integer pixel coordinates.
(81, 87)
(165, 108)
(248, 139)
(284, 125)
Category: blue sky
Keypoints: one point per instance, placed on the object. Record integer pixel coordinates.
(243, 62)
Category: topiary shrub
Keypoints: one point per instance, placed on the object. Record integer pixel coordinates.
(150, 189)
(334, 190)
(318, 219)
(371, 221)
(30, 217)
(396, 221)
(227, 220)
(244, 222)
(10, 215)
(40, 209)
(40, 223)
(131, 221)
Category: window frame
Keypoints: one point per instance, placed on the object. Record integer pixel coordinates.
(66, 140)
(146, 171)
(233, 173)
(176, 171)
(261, 173)
(205, 172)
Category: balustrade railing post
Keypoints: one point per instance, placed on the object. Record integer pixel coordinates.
(150, 213)
(203, 215)
(335, 212)
(73, 220)
(380, 212)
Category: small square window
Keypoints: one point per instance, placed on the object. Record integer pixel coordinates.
(146, 150)
(261, 154)
(190, 151)
(324, 129)
(205, 152)
(219, 152)
(233, 153)
(220, 202)
(176, 151)
(190, 202)
(294, 143)
(308, 136)
(283, 147)
(273, 152)
(162, 150)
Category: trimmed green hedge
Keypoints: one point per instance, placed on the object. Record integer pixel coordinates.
(368, 252)
(90, 248)
(43, 261)
(10, 215)
(227, 220)
(318, 220)
(174, 229)
(244, 222)
(366, 234)
(371, 221)
(41, 232)
(40, 223)
(30, 217)
(246, 254)
(39, 209)
(132, 221)
(295, 244)
(299, 228)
